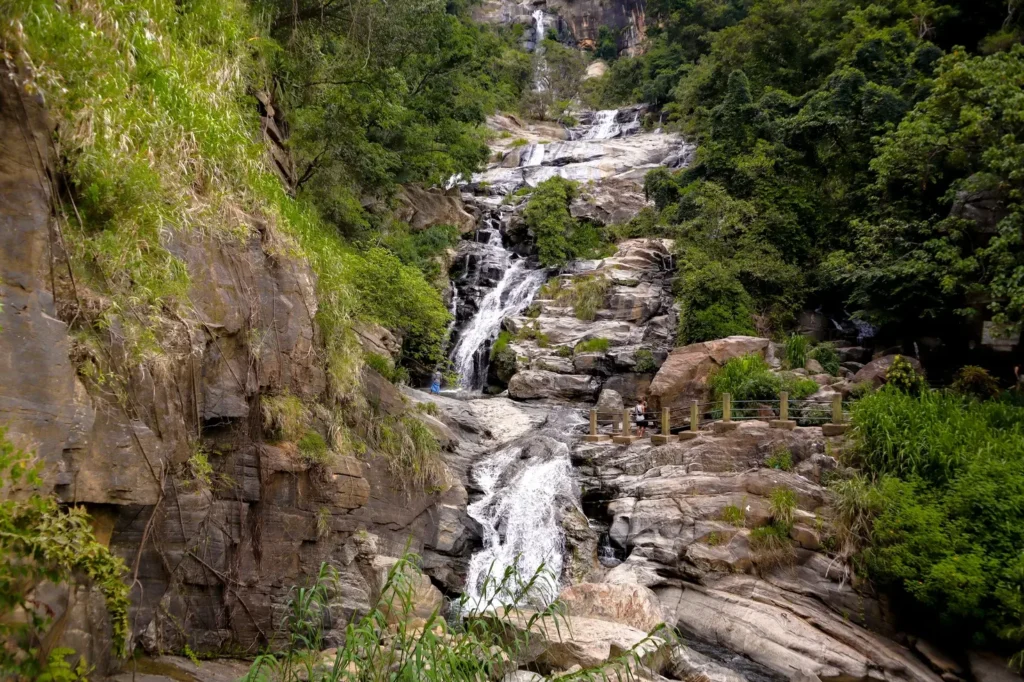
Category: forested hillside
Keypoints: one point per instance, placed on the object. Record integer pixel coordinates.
(863, 157)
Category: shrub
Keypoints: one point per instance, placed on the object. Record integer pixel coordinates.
(735, 515)
(771, 545)
(796, 351)
(41, 543)
(200, 469)
(563, 352)
(520, 142)
(746, 378)
(782, 460)
(939, 512)
(532, 332)
(827, 357)
(560, 237)
(596, 345)
(799, 387)
(643, 361)
(902, 376)
(713, 304)
(386, 367)
(975, 382)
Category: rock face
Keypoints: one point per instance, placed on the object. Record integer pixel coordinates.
(422, 208)
(212, 563)
(681, 516)
(632, 605)
(683, 377)
(534, 383)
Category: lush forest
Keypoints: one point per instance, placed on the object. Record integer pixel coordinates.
(862, 157)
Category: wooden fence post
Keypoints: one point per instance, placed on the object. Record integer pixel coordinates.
(727, 424)
(666, 429)
(783, 422)
(694, 423)
(594, 436)
(837, 427)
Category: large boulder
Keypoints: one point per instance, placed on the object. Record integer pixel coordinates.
(633, 605)
(788, 633)
(988, 667)
(609, 402)
(683, 376)
(875, 371)
(534, 384)
(424, 208)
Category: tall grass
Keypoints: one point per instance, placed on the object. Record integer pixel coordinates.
(795, 351)
(390, 644)
(933, 435)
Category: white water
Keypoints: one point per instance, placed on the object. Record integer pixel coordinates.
(604, 127)
(534, 155)
(540, 81)
(519, 519)
(513, 293)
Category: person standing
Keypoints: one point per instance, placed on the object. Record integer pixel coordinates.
(435, 382)
(640, 416)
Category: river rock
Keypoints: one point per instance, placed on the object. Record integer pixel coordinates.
(874, 372)
(534, 384)
(633, 605)
(683, 377)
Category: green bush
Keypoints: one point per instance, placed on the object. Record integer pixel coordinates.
(313, 449)
(563, 352)
(597, 345)
(643, 361)
(746, 378)
(827, 357)
(902, 376)
(939, 514)
(734, 515)
(796, 351)
(713, 304)
(560, 237)
(386, 368)
(799, 387)
(976, 382)
(782, 504)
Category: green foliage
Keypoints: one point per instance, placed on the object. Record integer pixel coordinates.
(826, 355)
(386, 367)
(902, 376)
(398, 297)
(781, 459)
(976, 382)
(313, 449)
(476, 641)
(799, 387)
(735, 515)
(782, 504)
(746, 378)
(41, 542)
(284, 416)
(643, 361)
(564, 351)
(796, 351)
(713, 303)
(594, 345)
(500, 344)
(532, 332)
(938, 515)
(200, 469)
(560, 237)
(585, 294)
(771, 545)
(411, 450)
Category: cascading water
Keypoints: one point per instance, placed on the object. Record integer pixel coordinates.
(515, 286)
(604, 127)
(526, 486)
(540, 81)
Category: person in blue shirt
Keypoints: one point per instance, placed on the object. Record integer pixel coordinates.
(435, 382)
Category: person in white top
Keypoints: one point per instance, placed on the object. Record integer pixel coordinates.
(640, 416)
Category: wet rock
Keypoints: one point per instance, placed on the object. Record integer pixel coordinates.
(537, 384)
(988, 667)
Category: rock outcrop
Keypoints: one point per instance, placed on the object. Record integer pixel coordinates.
(683, 377)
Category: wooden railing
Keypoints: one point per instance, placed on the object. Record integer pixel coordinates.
(722, 415)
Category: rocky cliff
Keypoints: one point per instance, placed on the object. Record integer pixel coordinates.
(580, 20)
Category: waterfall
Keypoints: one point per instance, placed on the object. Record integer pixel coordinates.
(604, 127)
(525, 488)
(513, 293)
(540, 81)
(538, 26)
